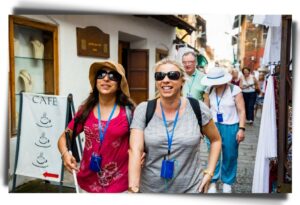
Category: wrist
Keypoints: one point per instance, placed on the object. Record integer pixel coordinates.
(134, 189)
(242, 128)
(207, 172)
(64, 153)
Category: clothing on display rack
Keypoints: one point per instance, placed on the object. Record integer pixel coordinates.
(267, 141)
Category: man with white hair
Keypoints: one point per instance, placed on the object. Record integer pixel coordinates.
(192, 87)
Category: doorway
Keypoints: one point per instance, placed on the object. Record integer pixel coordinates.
(136, 64)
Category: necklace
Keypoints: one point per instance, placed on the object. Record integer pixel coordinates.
(26, 75)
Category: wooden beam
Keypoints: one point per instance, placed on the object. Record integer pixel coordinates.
(283, 108)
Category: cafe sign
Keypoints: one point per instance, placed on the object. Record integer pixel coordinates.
(93, 42)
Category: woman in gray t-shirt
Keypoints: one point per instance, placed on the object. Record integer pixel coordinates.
(171, 140)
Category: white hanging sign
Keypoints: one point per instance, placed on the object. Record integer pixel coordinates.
(43, 121)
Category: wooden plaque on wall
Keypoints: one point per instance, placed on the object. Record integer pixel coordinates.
(91, 41)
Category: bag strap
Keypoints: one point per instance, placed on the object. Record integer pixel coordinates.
(197, 110)
(210, 90)
(151, 105)
(128, 114)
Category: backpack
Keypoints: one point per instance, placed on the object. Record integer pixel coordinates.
(194, 103)
(128, 110)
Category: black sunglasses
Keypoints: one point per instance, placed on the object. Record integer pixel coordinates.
(112, 75)
(172, 75)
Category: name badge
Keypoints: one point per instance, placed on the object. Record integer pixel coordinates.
(220, 117)
(95, 163)
(167, 169)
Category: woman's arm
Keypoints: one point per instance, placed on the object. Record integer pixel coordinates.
(256, 85)
(240, 105)
(241, 83)
(136, 149)
(211, 132)
(69, 161)
(206, 99)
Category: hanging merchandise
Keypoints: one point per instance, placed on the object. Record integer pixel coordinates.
(267, 20)
(267, 142)
(273, 46)
(273, 42)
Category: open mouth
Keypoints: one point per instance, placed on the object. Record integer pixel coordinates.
(105, 86)
(167, 88)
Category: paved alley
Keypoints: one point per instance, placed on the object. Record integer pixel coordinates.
(246, 160)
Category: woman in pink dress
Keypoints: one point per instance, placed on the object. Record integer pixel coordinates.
(103, 118)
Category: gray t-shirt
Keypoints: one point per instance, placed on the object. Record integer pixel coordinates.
(185, 150)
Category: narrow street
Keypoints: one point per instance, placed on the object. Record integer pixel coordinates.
(246, 160)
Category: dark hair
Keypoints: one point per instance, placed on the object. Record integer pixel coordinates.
(92, 100)
(246, 68)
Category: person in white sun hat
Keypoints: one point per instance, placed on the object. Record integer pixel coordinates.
(226, 104)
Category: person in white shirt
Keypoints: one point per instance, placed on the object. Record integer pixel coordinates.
(249, 86)
(226, 104)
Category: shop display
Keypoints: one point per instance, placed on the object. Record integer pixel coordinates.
(34, 67)
(26, 80)
(38, 49)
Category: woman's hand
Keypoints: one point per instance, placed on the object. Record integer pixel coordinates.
(70, 162)
(204, 185)
(240, 136)
(143, 159)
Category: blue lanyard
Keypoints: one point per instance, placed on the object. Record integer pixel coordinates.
(170, 136)
(218, 101)
(102, 133)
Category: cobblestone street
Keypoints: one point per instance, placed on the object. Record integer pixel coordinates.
(246, 160)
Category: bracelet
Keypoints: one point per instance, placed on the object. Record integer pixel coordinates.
(134, 189)
(63, 154)
(208, 172)
(242, 128)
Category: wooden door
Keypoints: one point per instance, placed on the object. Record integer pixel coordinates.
(138, 74)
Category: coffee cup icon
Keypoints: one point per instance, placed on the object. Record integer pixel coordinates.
(43, 141)
(44, 121)
(40, 161)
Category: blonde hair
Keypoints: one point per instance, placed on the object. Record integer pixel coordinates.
(175, 63)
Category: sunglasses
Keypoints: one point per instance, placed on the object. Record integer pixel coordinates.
(112, 75)
(172, 75)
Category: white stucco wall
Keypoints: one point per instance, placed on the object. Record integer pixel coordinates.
(73, 70)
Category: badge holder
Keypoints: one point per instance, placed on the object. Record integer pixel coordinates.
(167, 169)
(95, 163)
(220, 117)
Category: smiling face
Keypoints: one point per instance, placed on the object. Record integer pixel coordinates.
(104, 83)
(189, 63)
(169, 88)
